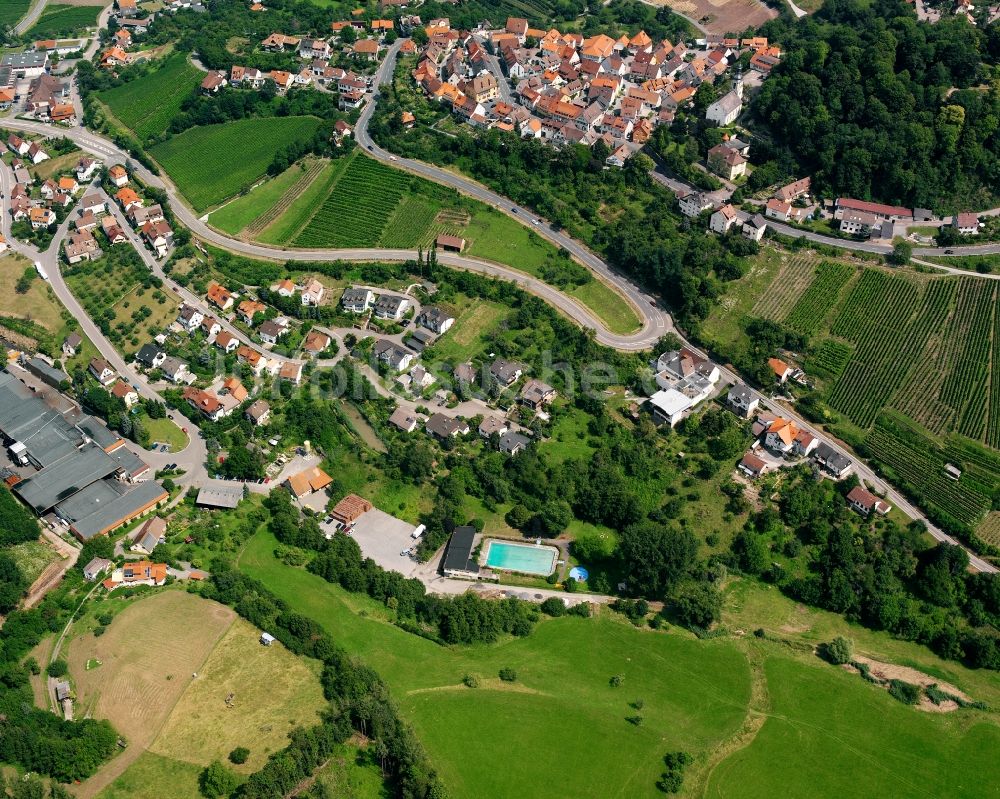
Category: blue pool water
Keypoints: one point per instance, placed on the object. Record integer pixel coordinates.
(525, 558)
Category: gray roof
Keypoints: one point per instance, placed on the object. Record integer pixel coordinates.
(512, 441)
(147, 353)
(172, 365)
(389, 303)
(741, 391)
(129, 462)
(729, 102)
(458, 556)
(830, 458)
(26, 60)
(46, 371)
(97, 565)
(505, 371)
(25, 417)
(106, 504)
(220, 496)
(445, 426)
(97, 432)
(353, 296)
(65, 478)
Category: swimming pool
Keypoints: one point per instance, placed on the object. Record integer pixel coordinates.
(526, 558)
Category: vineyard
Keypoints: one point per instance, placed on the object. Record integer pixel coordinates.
(12, 10)
(356, 212)
(63, 20)
(829, 358)
(793, 279)
(148, 103)
(993, 423)
(889, 324)
(921, 469)
(212, 163)
(989, 530)
(410, 224)
(819, 299)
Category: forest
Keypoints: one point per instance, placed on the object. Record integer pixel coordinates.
(873, 105)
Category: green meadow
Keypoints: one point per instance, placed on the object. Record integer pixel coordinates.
(759, 717)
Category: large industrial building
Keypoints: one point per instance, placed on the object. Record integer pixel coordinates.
(84, 474)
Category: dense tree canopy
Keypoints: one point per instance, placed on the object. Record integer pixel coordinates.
(874, 105)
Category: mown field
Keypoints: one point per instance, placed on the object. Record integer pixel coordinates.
(555, 723)
(358, 202)
(63, 20)
(147, 104)
(212, 163)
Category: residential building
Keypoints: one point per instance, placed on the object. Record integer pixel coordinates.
(357, 300)
(399, 358)
(259, 412)
(782, 371)
(219, 296)
(403, 419)
(435, 319)
(780, 436)
(865, 502)
(444, 427)
(536, 394)
(726, 162)
(150, 356)
(102, 372)
(312, 292)
(723, 219)
(390, 306)
(742, 400)
(189, 317)
(175, 370)
(832, 461)
(506, 373)
(752, 466)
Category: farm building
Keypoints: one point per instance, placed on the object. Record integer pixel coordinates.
(308, 481)
(450, 243)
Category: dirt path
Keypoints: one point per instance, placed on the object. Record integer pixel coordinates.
(890, 671)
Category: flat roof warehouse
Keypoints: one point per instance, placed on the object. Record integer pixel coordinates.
(86, 475)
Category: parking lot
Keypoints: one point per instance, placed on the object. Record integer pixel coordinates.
(382, 537)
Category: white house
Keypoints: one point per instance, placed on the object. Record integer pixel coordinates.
(742, 400)
(357, 300)
(723, 219)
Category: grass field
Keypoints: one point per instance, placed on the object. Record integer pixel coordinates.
(855, 740)
(148, 655)
(147, 104)
(561, 711)
(237, 214)
(32, 557)
(813, 730)
(273, 690)
(63, 20)
(12, 10)
(467, 336)
(38, 304)
(212, 163)
(147, 776)
(287, 225)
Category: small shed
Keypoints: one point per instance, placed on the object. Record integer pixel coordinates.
(450, 243)
(267, 639)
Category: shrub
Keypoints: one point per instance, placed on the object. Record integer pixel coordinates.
(57, 668)
(508, 675)
(905, 692)
(239, 755)
(580, 609)
(99, 631)
(838, 651)
(470, 681)
(553, 606)
(672, 779)
(635, 721)
(617, 681)
(217, 781)
(105, 619)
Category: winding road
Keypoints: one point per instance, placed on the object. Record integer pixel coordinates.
(655, 321)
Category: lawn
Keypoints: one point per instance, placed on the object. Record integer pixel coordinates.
(212, 163)
(608, 304)
(165, 432)
(63, 20)
(273, 691)
(148, 103)
(237, 214)
(466, 337)
(502, 740)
